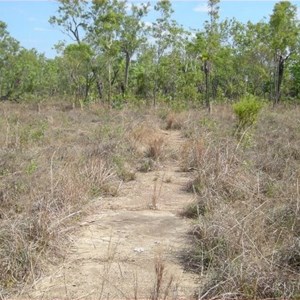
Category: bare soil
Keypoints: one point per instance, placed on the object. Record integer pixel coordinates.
(116, 247)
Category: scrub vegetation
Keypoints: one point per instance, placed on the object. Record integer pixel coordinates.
(74, 128)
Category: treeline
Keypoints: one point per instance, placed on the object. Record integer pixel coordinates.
(117, 57)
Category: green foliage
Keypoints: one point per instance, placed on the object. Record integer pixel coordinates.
(33, 133)
(178, 105)
(247, 110)
(31, 167)
(208, 123)
(71, 17)
(284, 27)
(284, 31)
(194, 210)
(116, 54)
(123, 170)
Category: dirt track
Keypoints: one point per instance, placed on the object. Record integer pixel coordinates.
(115, 248)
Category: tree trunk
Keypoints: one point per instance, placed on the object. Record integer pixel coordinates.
(109, 82)
(99, 84)
(155, 85)
(278, 78)
(99, 88)
(88, 82)
(207, 98)
(154, 93)
(127, 65)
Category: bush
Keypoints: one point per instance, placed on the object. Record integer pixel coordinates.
(247, 110)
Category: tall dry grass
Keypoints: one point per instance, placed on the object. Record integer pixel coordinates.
(246, 238)
(52, 162)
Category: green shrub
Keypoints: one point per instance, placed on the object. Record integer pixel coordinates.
(247, 110)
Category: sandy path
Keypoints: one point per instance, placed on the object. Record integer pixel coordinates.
(115, 249)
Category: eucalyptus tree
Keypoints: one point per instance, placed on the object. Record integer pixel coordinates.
(77, 61)
(132, 35)
(284, 30)
(52, 81)
(27, 71)
(72, 18)
(213, 42)
(167, 36)
(8, 45)
(22, 74)
(143, 71)
(9, 48)
(104, 33)
(192, 70)
(20, 69)
(161, 34)
(204, 46)
(171, 68)
(252, 57)
(293, 68)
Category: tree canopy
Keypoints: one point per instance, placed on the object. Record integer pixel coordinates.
(118, 57)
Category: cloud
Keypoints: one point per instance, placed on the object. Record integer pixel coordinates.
(203, 8)
(128, 6)
(32, 19)
(148, 24)
(42, 29)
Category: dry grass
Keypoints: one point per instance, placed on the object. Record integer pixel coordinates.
(246, 241)
(155, 149)
(52, 162)
(164, 283)
(246, 238)
(156, 192)
(192, 154)
(148, 141)
(176, 120)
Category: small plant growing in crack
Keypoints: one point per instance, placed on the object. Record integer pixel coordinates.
(162, 285)
(156, 192)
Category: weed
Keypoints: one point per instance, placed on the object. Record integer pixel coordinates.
(31, 167)
(175, 120)
(155, 148)
(156, 193)
(194, 210)
(146, 165)
(126, 175)
(163, 283)
(247, 110)
(192, 154)
(98, 174)
(148, 141)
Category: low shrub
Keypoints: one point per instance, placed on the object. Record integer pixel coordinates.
(247, 110)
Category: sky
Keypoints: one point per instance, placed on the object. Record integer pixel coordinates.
(27, 20)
